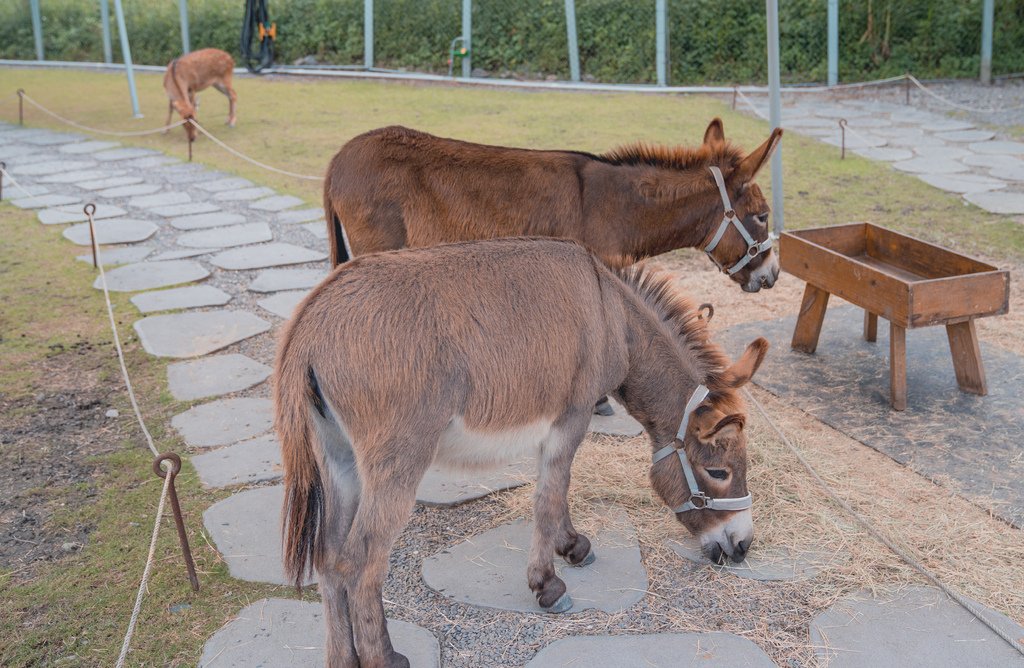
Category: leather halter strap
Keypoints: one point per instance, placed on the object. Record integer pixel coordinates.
(753, 248)
(705, 501)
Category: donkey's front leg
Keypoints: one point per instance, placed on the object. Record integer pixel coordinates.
(551, 514)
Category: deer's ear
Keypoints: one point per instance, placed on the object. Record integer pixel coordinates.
(752, 164)
(715, 134)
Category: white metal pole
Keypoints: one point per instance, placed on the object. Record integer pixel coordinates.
(367, 34)
(661, 39)
(775, 110)
(833, 42)
(108, 52)
(574, 50)
(126, 54)
(988, 10)
(37, 28)
(467, 37)
(183, 15)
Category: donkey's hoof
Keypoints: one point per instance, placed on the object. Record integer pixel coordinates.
(587, 560)
(604, 408)
(563, 604)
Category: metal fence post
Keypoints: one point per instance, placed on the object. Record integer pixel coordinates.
(183, 13)
(661, 39)
(37, 28)
(988, 10)
(775, 110)
(574, 50)
(368, 34)
(126, 55)
(833, 42)
(108, 52)
(467, 37)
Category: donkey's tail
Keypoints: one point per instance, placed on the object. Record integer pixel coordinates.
(296, 393)
(337, 240)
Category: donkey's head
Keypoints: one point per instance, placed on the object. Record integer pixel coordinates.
(711, 498)
(738, 238)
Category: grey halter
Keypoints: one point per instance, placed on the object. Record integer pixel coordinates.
(753, 248)
(705, 501)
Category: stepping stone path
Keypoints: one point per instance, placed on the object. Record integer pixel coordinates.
(214, 376)
(760, 564)
(276, 203)
(149, 275)
(202, 221)
(224, 421)
(661, 650)
(253, 461)
(39, 201)
(947, 153)
(282, 304)
(192, 296)
(111, 231)
(278, 632)
(75, 214)
(273, 280)
(222, 237)
(116, 256)
(490, 569)
(267, 255)
(919, 626)
(300, 216)
(195, 334)
(444, 487)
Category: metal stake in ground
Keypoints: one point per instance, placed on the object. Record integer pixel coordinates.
(3, 169)
(90, 210)
(842, 141)
(21, 106)
(906, 88)
(182, 537)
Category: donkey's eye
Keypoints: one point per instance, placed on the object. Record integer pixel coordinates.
(762, 218)
(718, 474)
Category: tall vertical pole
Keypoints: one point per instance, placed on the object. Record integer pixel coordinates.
(108, 52)
(37, 28)
(574, 49)
(988, 10)
(775, 110)
(661, 38)
(833, 42)
(467, 37)
(183, 14)
(126, 54)
(367, 34)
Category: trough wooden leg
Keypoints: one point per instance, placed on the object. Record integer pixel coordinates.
(812, 315)
(963, 343)
(870, 327)
(898, 366)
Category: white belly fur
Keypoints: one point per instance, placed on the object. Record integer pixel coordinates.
(464, 447)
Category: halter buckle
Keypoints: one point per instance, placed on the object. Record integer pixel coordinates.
(703, 498)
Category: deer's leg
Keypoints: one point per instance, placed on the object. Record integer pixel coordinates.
(225, 87)
(552, 529)
(170, 113)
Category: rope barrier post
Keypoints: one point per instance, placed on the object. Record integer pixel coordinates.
(842, 141)
(21, 106)
(176, 508)
(3, 170)
(906, 88)
(734, 92)
(90, 210)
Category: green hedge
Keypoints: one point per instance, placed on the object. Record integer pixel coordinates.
(710, 41)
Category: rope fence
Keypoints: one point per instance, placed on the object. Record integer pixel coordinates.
(112, 133)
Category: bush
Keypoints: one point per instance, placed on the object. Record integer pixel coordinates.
(710, 41)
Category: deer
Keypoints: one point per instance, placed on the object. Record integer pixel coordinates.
(193, 72)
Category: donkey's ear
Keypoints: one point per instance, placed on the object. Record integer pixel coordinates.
(715, 134)
(740, 373)
(752, 164)
(714, 426)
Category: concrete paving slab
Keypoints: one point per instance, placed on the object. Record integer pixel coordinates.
(160, 199)
(224, 421)
(993, 160)
(226, 237)
(619, 424)
(40, 201)
(219, 185)
(192, 296)
(885, 153)
(998, 147)
(246, 528)
(860, 140)
(919, 627)
(1006, 203)
(245, 463)
(944, 152)
(194, 334)
(72, 213)
(116, 256)
(124, 154)
(267, 255)
(150, 162)
(915, 141)
(300, 216)
(50, 167)
(150, 275)
(930, 166)
(1008, 173)
(243, 194)
(111, 231)
(108, 182)
(277, 632)
(276, 203)
(130, 190)
(273, 280)
(804, 122)
(48, 138)
(182, 254)
(202, 221)
(88, 147)
(444, 487)
(966, 136)
(318, 230)
(282, 304)
(186, 209)
(766, 565)
(836, 112)
(79, 175)
(659, 650)
(948, 125)
(963, 183)
(24, 190)
(490, 569)
(215, 375)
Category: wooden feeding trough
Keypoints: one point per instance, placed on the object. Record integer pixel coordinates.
(909, 282)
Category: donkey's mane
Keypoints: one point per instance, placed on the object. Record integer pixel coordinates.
(673, 157)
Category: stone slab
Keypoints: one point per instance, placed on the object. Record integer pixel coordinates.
(885, 153)
(943, 152)
(124, 154)
(948, 125)
(186, 209)
(130, 190)
(962, 183)
(194, 334)
(1008, 173)
(619, 424)
(918, 627)
(181, 254)
(225, 237)
(80, 176)
(243, 194)
(48, 138)
(111, 231)
(116, 256)
(282, 304)
(1006, 203)
(966, 136)
(915, 141)
(88, 147)
(109, 182)
(202, 221)
(215, 375)
(930, 166)
(50, 167)
(40, 201)
(224, 421)
(273, 280)
(490, 569)
(192, 296)
(62, 215)
(861, 140)
(277, 632)
(160, 199)
(659, 650)
(149, 162)
(998, 147)
(444, 487)
(245, 463)
(246, 528)
(220, 185)
(276, 203)
(150, 275)
(769, 564)
(993, 160)
(300, 216)
(267, 255)
(318, 230)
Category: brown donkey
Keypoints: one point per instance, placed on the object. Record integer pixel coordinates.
(391, 364)
(395, 187)
(187, 75)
